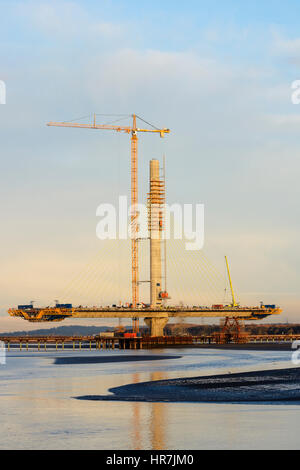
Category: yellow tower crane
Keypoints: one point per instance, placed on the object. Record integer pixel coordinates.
(133, 130)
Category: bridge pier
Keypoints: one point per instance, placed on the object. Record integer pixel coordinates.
(156, 325)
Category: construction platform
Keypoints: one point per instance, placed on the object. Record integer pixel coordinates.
(44, 343)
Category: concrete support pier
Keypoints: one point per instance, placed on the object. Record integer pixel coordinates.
(156, 325)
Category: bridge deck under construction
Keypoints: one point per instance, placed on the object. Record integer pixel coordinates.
(59, 314)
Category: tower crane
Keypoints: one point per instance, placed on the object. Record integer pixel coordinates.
(132, 130)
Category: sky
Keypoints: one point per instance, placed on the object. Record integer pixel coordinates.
(219, 75)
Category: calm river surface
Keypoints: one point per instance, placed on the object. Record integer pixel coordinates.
(38, 410)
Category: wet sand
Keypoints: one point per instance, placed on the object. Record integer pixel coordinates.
(262, 386)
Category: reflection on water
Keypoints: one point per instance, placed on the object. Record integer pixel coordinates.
(38, 409)
(136, 419)
(158, 418)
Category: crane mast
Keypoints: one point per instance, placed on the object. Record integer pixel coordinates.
(133, 130)
(134, 214)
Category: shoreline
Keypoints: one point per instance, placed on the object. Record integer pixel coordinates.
(238, 347)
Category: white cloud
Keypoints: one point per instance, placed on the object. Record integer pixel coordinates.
(287, 121)
(287, 47)
(133, 71)
(65, 19)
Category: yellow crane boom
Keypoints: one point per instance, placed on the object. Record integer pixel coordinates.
(234, 304)
(133, 130)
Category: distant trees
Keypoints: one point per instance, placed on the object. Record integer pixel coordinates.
(251, 328)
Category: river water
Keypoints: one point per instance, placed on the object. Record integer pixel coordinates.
(39, 409)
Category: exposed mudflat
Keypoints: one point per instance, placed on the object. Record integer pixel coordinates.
(261, 386)
(108, 359)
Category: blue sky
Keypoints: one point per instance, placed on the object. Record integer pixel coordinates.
(219, 74)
